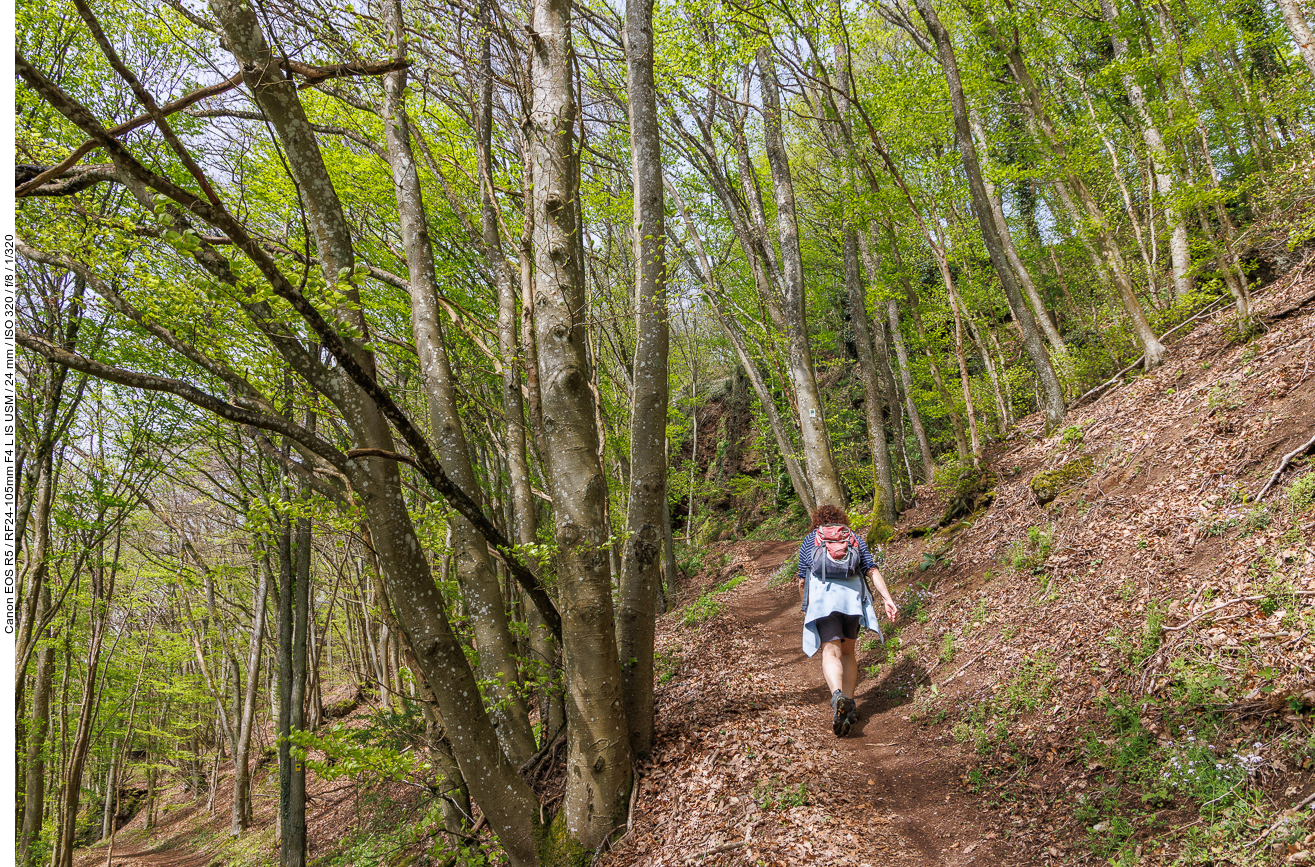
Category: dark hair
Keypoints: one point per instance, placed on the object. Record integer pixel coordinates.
(829, 515)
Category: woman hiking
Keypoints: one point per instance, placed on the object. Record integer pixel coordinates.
(833, 563)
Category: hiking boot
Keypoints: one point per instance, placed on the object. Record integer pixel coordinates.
(846, 713)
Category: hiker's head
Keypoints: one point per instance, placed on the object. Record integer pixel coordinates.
(828, 514)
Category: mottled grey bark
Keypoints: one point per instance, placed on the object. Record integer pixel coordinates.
(505, 798)
(1011, 250)
(299, 590)
(103, 574)
(873, 402)
(1032, 343)
(543, 646)
(822, 473)
(1165, 179)
(479, 583)
(906, 380)
(645, 519)
(599, 770)
(1299, 27)
(798, 480)
(34, 786)
(240, 815)
(1090, 221)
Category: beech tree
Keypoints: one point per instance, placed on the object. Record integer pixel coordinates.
(345, 344)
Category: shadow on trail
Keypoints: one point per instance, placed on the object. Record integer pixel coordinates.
(895, 689)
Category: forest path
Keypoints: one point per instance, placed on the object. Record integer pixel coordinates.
(172, 845)
(897, 773)
(745, 768)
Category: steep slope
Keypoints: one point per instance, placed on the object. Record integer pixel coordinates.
(1123, 672)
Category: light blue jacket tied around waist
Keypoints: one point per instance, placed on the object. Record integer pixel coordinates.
(833, 593)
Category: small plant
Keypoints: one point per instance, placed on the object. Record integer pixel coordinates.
(1257, 518)
(734, 582)
(1222, 396)
(787, 573)
(1301, 492)
(912, 604)
(773, 794)
(704, 608)
(1072, 436)
(1243, 329)
(666, 665)
(1029, 555)
(1032, 684)
(947, 648)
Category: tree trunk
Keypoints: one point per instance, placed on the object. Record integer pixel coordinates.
(1025, 280)
(824, 478)
(785, 447)
(1001, 404)
(1036, 351)
(599, 760)
(300, 592)
(642, 564)
(964, 382)
(872, 398)
(290, 855)
(479, 584)
(34, 787)
(103, 579)
(241, 806)
(1105, 254)
(1164, 174)
(1299, 27)
(33, 799)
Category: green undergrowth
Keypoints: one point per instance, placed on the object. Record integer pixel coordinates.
(1161, 767)
(789, 569)
(709, 605)
(774, 794)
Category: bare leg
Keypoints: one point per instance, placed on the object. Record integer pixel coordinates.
(850, 661)
(840, 666)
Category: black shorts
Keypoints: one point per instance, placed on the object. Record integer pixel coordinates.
(836, 626)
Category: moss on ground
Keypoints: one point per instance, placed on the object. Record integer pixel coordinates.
(1049, 484)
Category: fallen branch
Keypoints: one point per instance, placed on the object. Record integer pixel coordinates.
(1209, 611)
(1283, 465)
(1209, 308)
(1223, 605)
(724, 847)
(1291, 309)
(1310, 799)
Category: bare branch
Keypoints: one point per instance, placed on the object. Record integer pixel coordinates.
(189, 393)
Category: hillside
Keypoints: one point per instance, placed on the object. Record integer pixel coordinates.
(1121, 673)
(1077, 681)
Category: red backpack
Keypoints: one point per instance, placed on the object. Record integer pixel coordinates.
(837, 539)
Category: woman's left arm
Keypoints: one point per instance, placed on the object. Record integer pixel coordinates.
(892, 610)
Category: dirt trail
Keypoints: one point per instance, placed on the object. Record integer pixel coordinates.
(904, 774)
(173, 843)
(746, 770)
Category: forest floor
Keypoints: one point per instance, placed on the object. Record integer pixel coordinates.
(1122, 675)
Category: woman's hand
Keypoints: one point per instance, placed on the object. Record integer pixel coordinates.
(892, 610)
